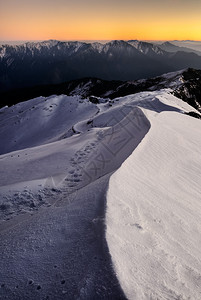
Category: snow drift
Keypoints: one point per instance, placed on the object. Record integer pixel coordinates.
(153, 212)
(57, 156)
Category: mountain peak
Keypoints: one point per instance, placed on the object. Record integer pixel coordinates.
(146, 48)
(117, 43)
(168, 44)
(130, 41)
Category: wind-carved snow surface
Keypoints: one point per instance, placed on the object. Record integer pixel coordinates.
(57, 156)
(52, 195)
(154, 208)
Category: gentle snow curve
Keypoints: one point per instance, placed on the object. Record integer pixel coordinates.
(153, 213)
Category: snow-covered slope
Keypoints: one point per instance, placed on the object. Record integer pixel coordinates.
(52, 200)
(147, 48)
(63, 140)
(153, 212)
(41, 121)
(53, 183)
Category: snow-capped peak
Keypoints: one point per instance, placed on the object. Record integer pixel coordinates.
(97, 46)
(146, 48)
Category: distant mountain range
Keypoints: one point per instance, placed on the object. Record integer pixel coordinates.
(170, 47)
(53, 62)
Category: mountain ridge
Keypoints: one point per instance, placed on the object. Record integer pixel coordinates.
(185, 84)
(170, 47)
(53, 62)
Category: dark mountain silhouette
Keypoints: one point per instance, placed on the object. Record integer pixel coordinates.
(184, 84)
(53, 62)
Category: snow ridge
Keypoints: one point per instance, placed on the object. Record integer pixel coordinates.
(153, 211)
(57, 157)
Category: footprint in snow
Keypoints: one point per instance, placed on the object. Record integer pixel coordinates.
(138, 226)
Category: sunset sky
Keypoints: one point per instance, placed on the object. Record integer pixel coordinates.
(104, 19)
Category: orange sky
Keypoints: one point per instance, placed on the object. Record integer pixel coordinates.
(105, 19)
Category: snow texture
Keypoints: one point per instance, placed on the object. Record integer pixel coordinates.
(57, 156)
(153, 212)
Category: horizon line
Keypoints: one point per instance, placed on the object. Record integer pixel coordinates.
(50, 39)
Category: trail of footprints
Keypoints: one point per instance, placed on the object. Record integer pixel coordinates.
(29, 202)
(77, 163)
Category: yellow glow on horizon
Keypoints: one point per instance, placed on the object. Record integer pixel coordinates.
(44, 19)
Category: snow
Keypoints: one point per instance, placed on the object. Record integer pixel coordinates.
(38, 45)
(153, 212)
(2, 52)
(145, 47)
(68, 158)
(41, 121)
(77, 45)
(98, 47)
(57, 157)
(170, 75)
(168, 99)
(81, 89)
(53, 199)
(43, 46)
